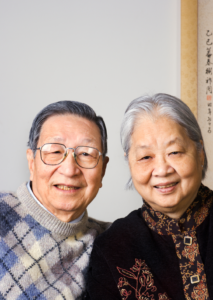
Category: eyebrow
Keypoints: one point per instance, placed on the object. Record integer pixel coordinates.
(174, 141)
(177, 140)
(88, 140)
(59, 139)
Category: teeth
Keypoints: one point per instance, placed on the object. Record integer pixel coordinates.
(66, 188)
(165, 186)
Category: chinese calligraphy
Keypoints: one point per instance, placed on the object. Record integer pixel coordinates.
(209, 43)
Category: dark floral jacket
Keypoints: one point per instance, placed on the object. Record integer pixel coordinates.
(149, 256)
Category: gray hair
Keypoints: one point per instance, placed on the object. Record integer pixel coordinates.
(61, 108)
(161, 105)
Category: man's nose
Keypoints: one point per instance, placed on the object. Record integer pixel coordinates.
(69, 166)
(162, 167)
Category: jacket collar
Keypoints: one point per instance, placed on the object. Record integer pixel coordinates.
(190, 220)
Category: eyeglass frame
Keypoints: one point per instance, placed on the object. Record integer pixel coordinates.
(66, 154)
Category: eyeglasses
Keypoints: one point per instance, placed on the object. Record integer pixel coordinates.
(54, 154)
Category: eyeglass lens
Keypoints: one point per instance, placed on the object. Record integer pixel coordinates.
(53, 154)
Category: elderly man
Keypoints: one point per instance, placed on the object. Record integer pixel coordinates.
(46, 236)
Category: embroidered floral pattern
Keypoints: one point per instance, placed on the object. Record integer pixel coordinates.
(150, 221)
(190, 261)
(200, 292)
(163, 224)
(125, 294)
(202, 213)
(163, 297)
(191, 251)
(142, 278)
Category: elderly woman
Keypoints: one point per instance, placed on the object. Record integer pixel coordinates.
(163, 250)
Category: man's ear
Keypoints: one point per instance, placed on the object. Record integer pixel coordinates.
(30, 159)
(105, 162)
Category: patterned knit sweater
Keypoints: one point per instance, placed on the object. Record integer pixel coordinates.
(42, 257)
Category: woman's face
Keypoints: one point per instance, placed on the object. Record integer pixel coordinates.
(165, 166)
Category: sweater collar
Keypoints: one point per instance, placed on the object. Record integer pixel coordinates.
(190, 220)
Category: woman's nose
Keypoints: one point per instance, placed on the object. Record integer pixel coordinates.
(162, 168)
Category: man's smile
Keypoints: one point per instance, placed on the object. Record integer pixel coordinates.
(66, 187)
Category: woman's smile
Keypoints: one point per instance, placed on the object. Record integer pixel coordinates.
(166, 188)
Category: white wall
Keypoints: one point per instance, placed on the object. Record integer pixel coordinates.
(103, 53)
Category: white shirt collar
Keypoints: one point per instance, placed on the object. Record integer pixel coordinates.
(34, 197)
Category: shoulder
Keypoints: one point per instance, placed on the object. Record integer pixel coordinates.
(10, 213)
(98, 225)
(8, 199)
(124, 224)
(121, 230)
(12, 202)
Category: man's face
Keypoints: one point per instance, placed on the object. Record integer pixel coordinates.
(66, 189)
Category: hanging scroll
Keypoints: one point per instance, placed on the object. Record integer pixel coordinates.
(205, 80)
